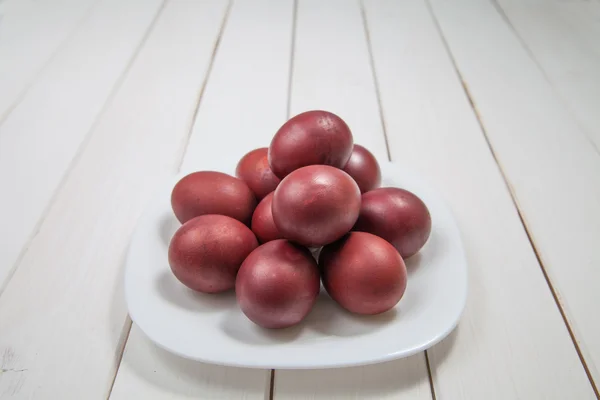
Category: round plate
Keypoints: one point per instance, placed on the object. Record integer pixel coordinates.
(212, 328)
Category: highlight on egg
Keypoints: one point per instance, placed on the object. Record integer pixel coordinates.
(277, 285)
(308, 208)
(396, 215)
(313, 137)
(363, 273)
(363, 168)
(206, 252)
(211, 192)
(316, 205)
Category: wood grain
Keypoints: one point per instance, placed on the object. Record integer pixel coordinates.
(30, 33)
(242, 106)
(557, 190)
(511, 341)
(470, 92)
(42, 135)
(245, 99)
(63, 313)
(562, 37)
(332, 71)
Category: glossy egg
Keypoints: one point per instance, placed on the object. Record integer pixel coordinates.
(210, 192)
(398, 216)
(364, 169)
(313, 137)
(254, 169)
(363, 273)
(263, 225)
(206, 252)
(316, 205)
(278, 284)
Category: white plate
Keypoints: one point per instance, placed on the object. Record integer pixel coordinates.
(212, 329)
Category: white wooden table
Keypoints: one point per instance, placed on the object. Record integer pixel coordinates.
(496, 102)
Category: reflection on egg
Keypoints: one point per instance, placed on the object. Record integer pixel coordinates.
(263, 225)
(363, 273)
(210, 192)
(364, 169)
(278, 284)
(398, 216)
(313, 137)
(316, 205)
(206, 252)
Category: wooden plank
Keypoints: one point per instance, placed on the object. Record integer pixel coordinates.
(549, 162)
(332, 71)
(563, 38)
(30, 33)
(148, 372)
(511, 341)
(62, 316)
(242, 106)
(46, 129)
(245, 101)
(9, 6)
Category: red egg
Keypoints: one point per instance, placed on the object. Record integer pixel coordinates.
(396, 215)
(206, 252)
(210, 192)
(364, 169)
(316, 205)
(363, 273)
(254, 169)
(277, 285)
(263, 225)
(313, 137)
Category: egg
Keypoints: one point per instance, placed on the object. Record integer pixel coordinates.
(277, 285)
(211, 192)
(313, 137)
(363, 273)
(363, 168)
(263, 225)
(396, 215)
(206, 252)
(254, 169)
(316, 205)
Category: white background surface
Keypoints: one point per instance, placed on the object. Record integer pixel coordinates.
(493, 102)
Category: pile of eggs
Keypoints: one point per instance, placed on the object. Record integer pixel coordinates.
(308, 208)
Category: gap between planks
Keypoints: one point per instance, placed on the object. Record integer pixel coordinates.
(129, 323)
(387, 147)
(292, 53)
(558, 94)
(363, 16)
(271, 385)
(509, 187)
(271, 392)
(85, 140)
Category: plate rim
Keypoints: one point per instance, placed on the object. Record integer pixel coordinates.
(386, 166)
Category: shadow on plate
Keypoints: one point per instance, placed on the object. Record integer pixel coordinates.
(237, 326)
(168, 226)
(326, 318)
(176, 293)
(413, 264)
(171, 373)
